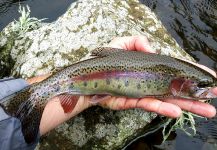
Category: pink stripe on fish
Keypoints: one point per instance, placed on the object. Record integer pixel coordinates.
(116, 74)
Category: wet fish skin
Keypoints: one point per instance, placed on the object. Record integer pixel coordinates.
(112, 72)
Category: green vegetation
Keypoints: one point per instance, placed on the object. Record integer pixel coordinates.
(25, 23)
(186, 119)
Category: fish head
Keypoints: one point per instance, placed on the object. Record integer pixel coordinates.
(193, 89)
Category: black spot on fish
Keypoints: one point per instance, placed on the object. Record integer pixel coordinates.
(85, 83)
(126, 83)
(107, 81)
(57, 89)
(148, 85)
(138, 86)
(95, 85)
(117, 78)
(71, 85)
(119, 86)
(158, 88)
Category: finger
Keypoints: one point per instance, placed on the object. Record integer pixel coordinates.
(124, 103)
(113, 103)
(160, 107)
(148, 104)
(139, 43)
(196, 107)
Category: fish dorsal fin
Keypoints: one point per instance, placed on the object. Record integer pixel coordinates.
(105, 51)
(57, 69)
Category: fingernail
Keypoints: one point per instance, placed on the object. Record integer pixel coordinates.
(149, 49)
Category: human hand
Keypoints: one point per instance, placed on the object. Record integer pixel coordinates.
(168, 107)
(53, 114)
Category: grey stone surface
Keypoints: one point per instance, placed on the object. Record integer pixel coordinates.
(86, 25)
(98, 128)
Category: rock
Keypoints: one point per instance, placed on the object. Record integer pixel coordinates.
(88, 24)
(6, 62)
(98, 128)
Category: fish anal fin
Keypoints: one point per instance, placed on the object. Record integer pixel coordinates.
(105, 51)
(68, 102)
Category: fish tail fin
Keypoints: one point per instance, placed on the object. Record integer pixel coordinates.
(30, 117)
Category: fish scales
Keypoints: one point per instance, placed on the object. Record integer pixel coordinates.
(137, 62)
(132, 84)
(111, 72)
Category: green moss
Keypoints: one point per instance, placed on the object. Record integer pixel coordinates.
(56, 142)
(47, 33)
(6, 61)
(138, 14)
(80, 53)
(94, 29)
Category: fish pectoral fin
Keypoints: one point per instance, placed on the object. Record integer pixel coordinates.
(68, 102)
(105, 51)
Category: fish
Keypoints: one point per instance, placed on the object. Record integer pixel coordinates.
(110, 72)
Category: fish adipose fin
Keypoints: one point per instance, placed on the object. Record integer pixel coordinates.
(30, 118)
(105, 51)
(68, 102)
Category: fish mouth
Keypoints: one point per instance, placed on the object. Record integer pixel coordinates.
(204, 93)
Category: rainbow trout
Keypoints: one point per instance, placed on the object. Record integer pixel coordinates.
(113, 72)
